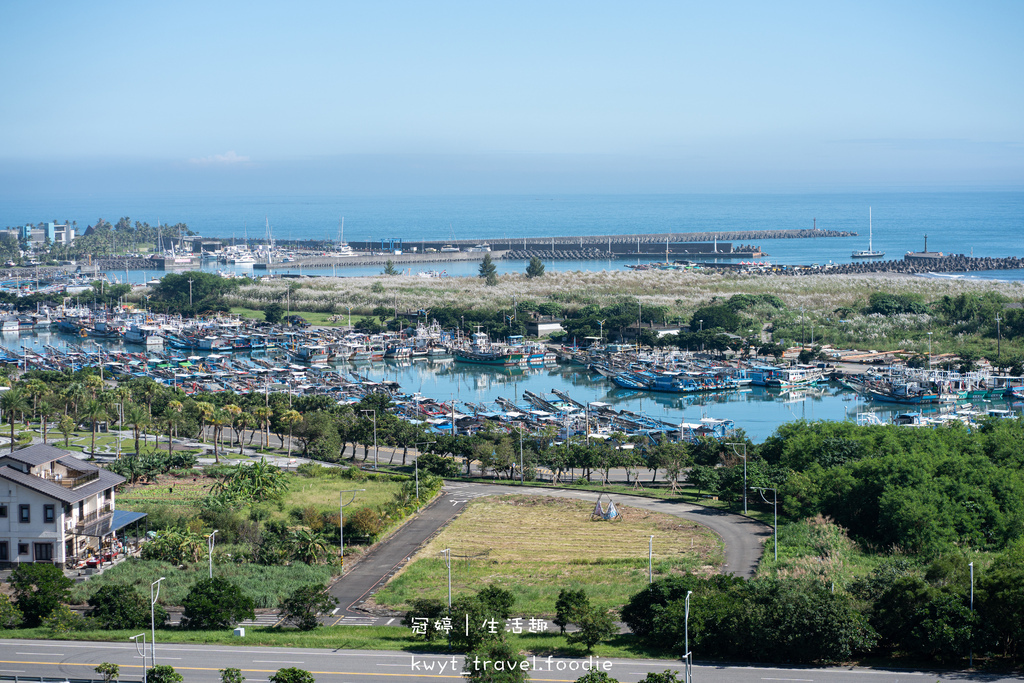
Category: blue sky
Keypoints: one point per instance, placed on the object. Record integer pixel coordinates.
(453, 97)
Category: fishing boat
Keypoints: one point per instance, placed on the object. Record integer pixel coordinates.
(481, 352)
(147, 335)
(870, 252)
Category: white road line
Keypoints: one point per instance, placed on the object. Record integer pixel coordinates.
(12, 671)
(788, 679)
(274, 661)
(47, 654)
(389, 621)
(335, 610)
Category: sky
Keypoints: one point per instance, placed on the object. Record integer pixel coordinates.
(484, 97)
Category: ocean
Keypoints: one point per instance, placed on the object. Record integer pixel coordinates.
(971, 223)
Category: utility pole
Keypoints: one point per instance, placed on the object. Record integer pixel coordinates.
(999, 340)
(190, 281)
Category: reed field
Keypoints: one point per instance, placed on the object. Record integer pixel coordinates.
(536, 546)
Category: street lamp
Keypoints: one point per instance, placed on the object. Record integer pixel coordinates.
(209, 544)
(374, 435)
(447, 553)
(522, 473)
(929, 352)
(744, 456)
(650, 560)
(688, 677)
(341, 522)
(426, 443)
(970, 657)
(153, 597)
(775, 509)
(145, 672)
(600, 324)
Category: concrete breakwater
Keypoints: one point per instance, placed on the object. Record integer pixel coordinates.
(379, 260)
(955, 263)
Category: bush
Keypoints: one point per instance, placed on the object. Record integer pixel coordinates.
(231, 675)
(495, 661)
(10, 615)
(163, 674)
(63, 620)
(118, 607)
(110, 672)
(365, 523)
(305, 603)
(215, 603)
(292, 675)
(39, 589)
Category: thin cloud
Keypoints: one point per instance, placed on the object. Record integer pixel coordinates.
(226, 159)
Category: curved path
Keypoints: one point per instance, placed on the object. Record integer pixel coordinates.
(743, 537)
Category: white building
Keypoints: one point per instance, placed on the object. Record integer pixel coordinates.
(56, 508)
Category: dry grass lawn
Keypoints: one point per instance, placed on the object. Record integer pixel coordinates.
(535, 546)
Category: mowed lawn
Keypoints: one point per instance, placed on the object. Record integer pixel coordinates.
(536, 546)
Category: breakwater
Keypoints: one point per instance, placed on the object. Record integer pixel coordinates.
(954, 263)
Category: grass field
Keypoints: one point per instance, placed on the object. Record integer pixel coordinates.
(536, 546)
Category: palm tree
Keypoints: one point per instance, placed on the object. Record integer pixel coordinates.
(307, 546)
(291, 418)
(94, 411)
(246, 422)
(172, 414)
(234, 413)
(14, 401)
(206, 411)
(74, 394)
(36, 389)
(138, 418)
(46, 408)
(93, 383)
(220, 419)
(263, 415)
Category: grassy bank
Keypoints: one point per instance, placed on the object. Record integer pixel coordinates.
(552, 544)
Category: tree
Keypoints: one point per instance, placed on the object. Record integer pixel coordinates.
(162, 673)
(94, 412)
(305, 603)
(110, 672)
(66, 426)
(273, 313)
(39, 589)
(290, 418)
(14, 401)
(137, 416)
(536, 268)
(569, 605)
(292, 675)
(231, 675)
(215, 603)
(389, 268)
(117, 607)
(487, 268)
(596, 676)
(494, 660)
(595, 624)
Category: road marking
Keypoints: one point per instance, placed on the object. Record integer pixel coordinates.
(335, 610)
(788, 679)
(274, 661)
(389, 621)
(13, 671)
(44, 654)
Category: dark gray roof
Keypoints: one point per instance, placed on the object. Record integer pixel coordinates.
(78, 464)
(38, 454)
(106, 480)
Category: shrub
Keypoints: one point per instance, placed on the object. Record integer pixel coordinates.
(364, 522)
(292, 675)
(305, 603)
(163, 673)
(10, 615)
(117, 607)
(215, 603)
(39, 589)
(110, 672)
(63, 620)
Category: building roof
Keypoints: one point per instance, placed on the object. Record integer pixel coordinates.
(38, 454)
(107, 479)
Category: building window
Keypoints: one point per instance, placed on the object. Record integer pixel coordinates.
(44, 552)
(3, 511)
(23, 548)
(23, 514)
(5, 553)
(48, 513)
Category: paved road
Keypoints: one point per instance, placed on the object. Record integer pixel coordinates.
(201, 664)
(744, 540)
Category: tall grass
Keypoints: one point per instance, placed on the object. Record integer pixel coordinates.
(267, 586)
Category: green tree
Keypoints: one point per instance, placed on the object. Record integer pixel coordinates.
(596, 676)
(95, 412)
(13, 402)
(39, 589)
(66, 426)
(569, 606)
(116, 607)
(305, 603)
(162, 673)
(215, 603)
(273, 313)
(292, 675)
(487, 268)
(231, 675)
(389, 268)
(65, 620)
(536, 267)
(110, 672)
(494, 660)
(593, 625)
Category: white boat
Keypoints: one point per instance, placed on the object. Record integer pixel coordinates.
(147, 335)
(870, 252)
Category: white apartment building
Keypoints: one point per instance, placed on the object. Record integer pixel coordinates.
(56, 508)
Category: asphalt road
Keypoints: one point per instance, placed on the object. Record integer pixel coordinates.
(202, 663)
(743, 537)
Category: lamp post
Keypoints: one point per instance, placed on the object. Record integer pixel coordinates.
(686, 642)
(929, 351)
(522, 473)
(650, 560)
(999, 341)
(134, 639)
(775, 509)
(341, 522)
(970, 656)
(744, 456)
(702, 335)
(209, 544)
(153, 597)
(447, 553)
(425, 443)
(600, 324)
(374, 435)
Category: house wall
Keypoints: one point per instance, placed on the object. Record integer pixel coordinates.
(36, 531)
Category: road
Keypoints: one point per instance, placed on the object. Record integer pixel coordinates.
(201, 664)
(743, 537)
